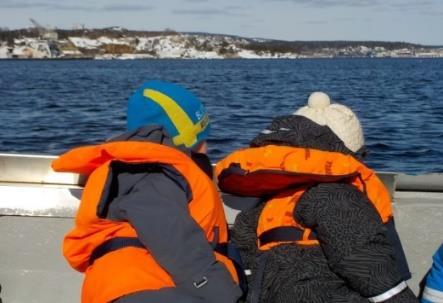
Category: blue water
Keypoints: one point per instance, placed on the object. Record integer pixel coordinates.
(47, 107)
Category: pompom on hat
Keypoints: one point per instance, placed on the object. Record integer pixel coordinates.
(180, 112)
(339, 118)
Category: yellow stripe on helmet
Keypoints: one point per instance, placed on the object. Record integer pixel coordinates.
(187, 130)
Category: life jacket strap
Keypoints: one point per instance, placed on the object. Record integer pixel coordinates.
(226, 249)
(112, 245)
(284, 234)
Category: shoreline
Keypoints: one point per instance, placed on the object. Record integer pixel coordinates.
(217, 59)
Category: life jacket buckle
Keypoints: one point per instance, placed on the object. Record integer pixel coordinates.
(201, 283)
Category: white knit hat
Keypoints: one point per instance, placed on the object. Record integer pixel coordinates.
(339, 118)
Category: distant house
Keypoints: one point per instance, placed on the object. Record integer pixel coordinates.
(31, 49)
(5, 51)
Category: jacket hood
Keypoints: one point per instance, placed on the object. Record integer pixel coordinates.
(157, 134)
(151, 133)
(298, 131)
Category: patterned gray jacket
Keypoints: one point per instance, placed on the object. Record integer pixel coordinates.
(359, 258)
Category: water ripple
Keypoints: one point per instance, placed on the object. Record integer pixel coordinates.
(50, 106)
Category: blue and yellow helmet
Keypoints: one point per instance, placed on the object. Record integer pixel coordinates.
(180, 112)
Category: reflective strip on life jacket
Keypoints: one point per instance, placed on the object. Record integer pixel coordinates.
(389, 293)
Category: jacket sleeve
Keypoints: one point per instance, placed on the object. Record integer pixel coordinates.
(433, 291)
(354, 241)
(156, 205)
(244, 236)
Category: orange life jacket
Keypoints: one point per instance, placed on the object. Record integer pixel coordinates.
(285, 173)
(130, 269)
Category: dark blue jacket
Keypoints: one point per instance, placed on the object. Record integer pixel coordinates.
(433, 292)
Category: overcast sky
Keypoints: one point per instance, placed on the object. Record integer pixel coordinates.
(418, 21)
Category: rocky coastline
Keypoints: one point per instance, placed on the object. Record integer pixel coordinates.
(118, 43)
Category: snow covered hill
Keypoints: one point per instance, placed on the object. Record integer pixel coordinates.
(102, 44)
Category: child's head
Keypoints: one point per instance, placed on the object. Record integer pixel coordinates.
(173, 107)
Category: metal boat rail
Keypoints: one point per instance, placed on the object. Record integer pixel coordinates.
(37, 206)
